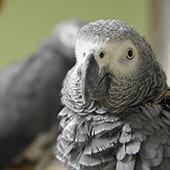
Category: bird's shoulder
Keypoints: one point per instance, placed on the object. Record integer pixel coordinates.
(149, 135)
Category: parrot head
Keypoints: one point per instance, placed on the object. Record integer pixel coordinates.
(117, 66)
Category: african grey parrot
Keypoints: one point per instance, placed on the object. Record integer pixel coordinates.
(30, 91)
(116, 114)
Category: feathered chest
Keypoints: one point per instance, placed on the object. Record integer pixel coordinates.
(87, 141)
(138, 140)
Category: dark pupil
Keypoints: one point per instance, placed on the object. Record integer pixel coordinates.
(101, 55)
(130, 53)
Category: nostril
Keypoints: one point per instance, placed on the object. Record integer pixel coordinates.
(84, 54)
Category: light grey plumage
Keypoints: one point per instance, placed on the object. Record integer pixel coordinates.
(30, 92)
(111, 119)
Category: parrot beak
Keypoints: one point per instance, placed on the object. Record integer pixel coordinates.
(95, 84)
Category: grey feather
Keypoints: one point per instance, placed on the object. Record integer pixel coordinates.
(121, 153)
(166, 151)
(30, 93)
(133, 147)
(98, 145)
(125, 165)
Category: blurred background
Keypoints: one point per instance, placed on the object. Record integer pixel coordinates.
(25, 24)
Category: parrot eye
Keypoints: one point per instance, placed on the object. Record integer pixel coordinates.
(130, 54)
(101, 55)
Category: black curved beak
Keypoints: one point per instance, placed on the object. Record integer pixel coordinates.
(95, 82)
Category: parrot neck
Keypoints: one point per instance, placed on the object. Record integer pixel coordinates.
(129, 92)
(124, 93)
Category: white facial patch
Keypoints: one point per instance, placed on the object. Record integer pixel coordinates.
(114, 54)
(119, 59)
(84, 48)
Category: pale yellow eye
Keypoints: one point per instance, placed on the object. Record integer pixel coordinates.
(130, 54)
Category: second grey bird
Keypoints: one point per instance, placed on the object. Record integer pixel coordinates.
(30, 92)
